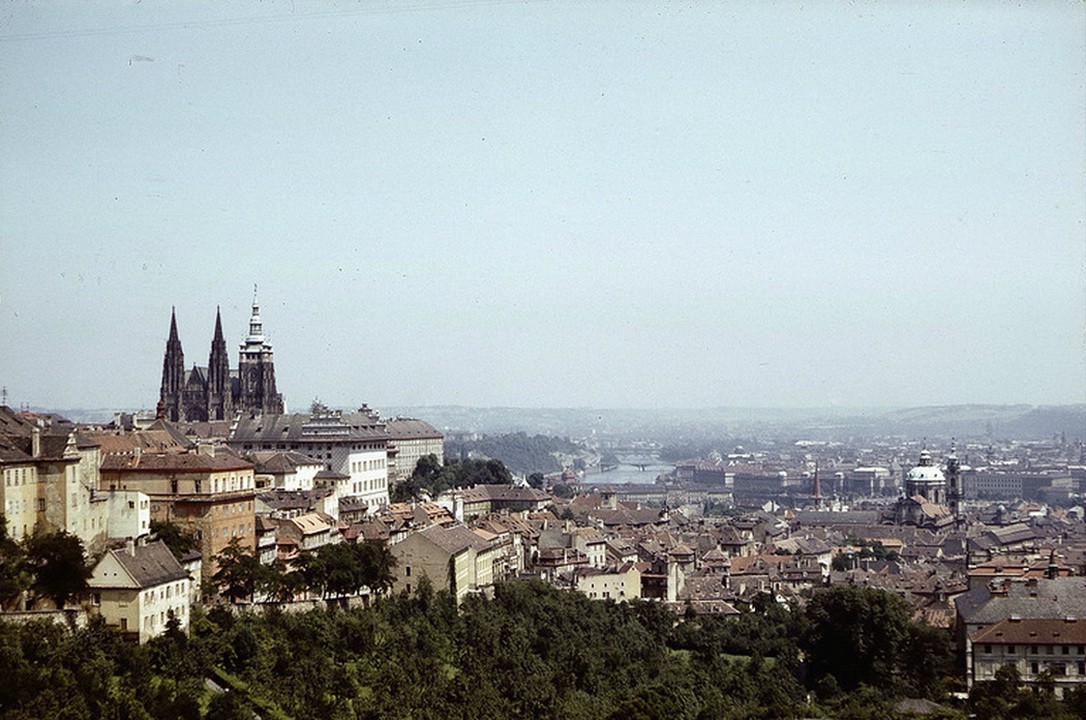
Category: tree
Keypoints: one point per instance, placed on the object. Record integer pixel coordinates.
(177, 540)
(858, 635)
(537, 480)
(427, 468)
(229, 706)
(376, 565)
(240, 572)
(56, 560)
(15, 576)
(341, 569)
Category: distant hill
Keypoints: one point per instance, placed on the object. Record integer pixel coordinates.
(1024, 422)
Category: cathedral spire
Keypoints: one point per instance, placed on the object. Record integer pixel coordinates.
(173, 372)
(218, 327)
(173, 326)
(220, 401)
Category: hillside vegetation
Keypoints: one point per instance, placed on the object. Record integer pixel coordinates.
(531, 652)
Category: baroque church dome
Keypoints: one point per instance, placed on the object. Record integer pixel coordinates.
(926, 471)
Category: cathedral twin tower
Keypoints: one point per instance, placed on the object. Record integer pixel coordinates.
(216, 392)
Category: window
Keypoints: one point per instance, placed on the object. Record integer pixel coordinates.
(1033, 668)
(1010, 649)
(407, 571)
(97, 599)
(987, 649)
(1033, 649)
(1066, 650)
(41, 504)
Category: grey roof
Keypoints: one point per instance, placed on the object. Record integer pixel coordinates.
(506, 493)
(454, 539)
(151, 564)
(411, 429)
(281, 499)
(302, 428)
(1052, 598)
(849, 517)
(281, 462)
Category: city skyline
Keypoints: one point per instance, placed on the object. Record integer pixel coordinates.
(764, 205)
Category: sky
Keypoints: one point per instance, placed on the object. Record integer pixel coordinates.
(536, 204)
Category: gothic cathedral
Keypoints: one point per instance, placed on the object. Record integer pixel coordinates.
(216, 392)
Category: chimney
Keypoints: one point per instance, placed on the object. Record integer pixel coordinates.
(35, 442)
(130, 547)
(206, 449)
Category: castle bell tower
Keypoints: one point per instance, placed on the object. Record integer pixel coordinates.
(256, 370)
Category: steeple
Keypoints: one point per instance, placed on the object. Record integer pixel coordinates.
(173, 372)
(220, 401)
(954, 481)
(816, 495)
(173, 327)
(256, 327)
(218, 338)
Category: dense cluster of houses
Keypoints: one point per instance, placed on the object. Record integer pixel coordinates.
(1010, 579)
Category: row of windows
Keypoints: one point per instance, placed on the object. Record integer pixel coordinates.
(244, 528)
(152, 621)
(364, 465)
(1055, 669)
(309, 448)
(1034, 649)
(374, 485)
(244, 482)
(232, 508)
(164, 593)
(14, 477)
(11, 507)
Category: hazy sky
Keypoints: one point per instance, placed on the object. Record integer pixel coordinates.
(549, 204)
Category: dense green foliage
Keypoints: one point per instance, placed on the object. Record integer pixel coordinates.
(15, 575)
(531, 652)
(177, 540)
(521, 452)
(432, 478)
(863, 636)
(335, 570)
(44, 565)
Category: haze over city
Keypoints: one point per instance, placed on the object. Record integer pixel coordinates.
(605, 204)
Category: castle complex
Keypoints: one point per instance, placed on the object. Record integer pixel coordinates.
(216, 392)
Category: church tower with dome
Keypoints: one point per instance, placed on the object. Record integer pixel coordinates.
(926, 480)
(924, 504)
